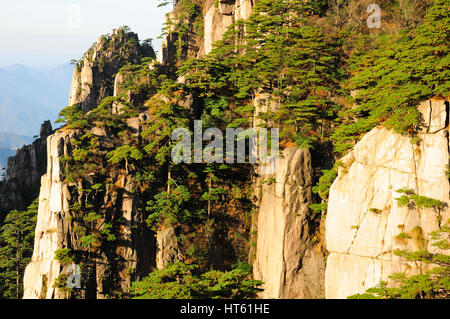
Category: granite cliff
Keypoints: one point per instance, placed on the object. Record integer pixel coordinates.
(265, 219)
(364, 218)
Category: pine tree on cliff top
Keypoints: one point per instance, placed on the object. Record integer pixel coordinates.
(278, 52)
(395, 74)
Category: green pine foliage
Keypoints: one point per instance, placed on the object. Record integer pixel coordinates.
(171, 208)
(73, 117)
(393, 74)
(183, 281)
(325, 182)
(124, 154)
(142, 80)
(411, 199)
(64, 256)
(279, 50)
(16, 249)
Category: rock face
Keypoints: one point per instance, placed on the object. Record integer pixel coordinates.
(363, 215)
(114, 268)
(91, 81)
(23, 173)
(167, 54)
(363, 218)
(286, 260)
(168, 250)
(108, 269)
(217, 18)
(41, 273)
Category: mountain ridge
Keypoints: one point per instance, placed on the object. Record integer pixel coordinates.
(29, 96)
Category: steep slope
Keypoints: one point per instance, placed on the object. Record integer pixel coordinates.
(108, 271)
(365, 222)
(110, 267)
(219, 16)
(93, 77)
(289, 265)
(115, 202)
(286, 260)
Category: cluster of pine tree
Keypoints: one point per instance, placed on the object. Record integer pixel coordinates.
(310, 74)
(16, 249)
(280, 50)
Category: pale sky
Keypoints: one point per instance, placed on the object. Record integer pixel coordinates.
(52, 32)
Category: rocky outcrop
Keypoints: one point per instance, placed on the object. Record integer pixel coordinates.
(43, 270)
(220, 15)
(286, 259)
(28, 164)
(364, 218)
(23, 174)
(109, 270)
(167, 53)
(93, 77)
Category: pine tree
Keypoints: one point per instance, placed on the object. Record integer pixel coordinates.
(394, 74)
(182, 281)
(16, 249)
(277, 51)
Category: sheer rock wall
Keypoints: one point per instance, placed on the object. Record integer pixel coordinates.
(364, 218)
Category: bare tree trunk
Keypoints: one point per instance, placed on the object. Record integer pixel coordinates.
(209, 200)
(17, 265)
(169, 177)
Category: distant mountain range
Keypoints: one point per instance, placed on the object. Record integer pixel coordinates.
(13, 141)
(28, 96)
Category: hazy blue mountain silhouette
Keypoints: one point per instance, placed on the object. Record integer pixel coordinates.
(12, 141)
(29, 96)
